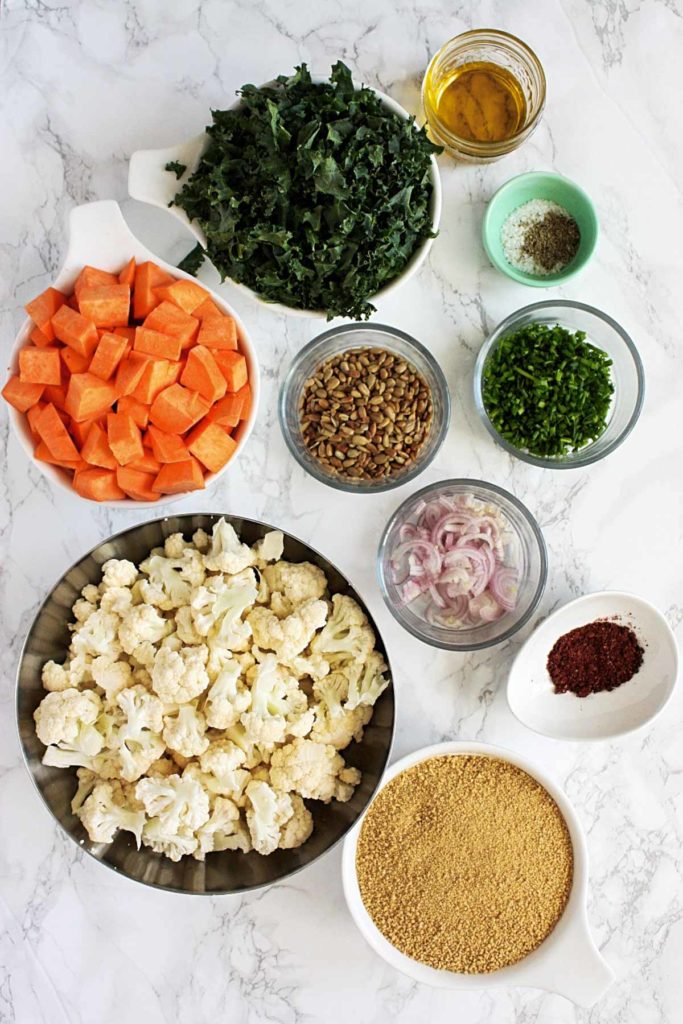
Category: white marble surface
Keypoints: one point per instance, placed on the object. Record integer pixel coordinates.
(82, 85)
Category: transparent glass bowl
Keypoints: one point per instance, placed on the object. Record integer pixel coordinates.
(354, 336)
(493, 47)
(627, 376)
(532, 562)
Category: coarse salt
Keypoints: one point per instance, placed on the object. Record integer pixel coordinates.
(514, 234)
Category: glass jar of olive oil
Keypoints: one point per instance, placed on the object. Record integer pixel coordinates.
(483, 95)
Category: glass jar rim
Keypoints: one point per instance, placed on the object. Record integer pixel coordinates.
(505, 39)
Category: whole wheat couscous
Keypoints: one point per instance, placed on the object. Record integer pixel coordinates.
(464, 863)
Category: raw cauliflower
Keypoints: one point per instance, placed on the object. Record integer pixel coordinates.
(206, 694)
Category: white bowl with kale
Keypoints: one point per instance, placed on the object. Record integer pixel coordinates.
(316, 197)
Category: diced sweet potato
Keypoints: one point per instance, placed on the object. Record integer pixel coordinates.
(43, 454)
(80, 431)
(40, 339)
(170, 319)
(126, 332)
(176, 477)
(159, 374)
(176, 409)
(124, 437)
(218, 332)
(32, 415)
(185, 294)
(147, 464)
(98, 485)
(137, 410)
(55, 393)
(21, 396)
(127, 275)
(52, 431)
(165, 447)
(39, 365)
(75, 330)
(96, 448)
(233, 366)
(136, 484)
(211, 445)
(73, 361)
(110, 351)
(43, 308)
(245, 394)
(93, 277)
(227, 412)
(207, 309)
(203, 374)
(156, 344)
(107, 305)
(148, 276)
(88, 396)
(129, 373)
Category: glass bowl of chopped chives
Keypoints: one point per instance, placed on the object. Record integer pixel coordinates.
(559, 384)
(540, 229)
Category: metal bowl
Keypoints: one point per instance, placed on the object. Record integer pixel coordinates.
(221, 873)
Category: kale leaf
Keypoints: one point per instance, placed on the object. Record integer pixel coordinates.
(193, 260)
(175, 167)
(313, 195)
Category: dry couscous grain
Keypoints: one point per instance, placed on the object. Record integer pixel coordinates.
(464, 863)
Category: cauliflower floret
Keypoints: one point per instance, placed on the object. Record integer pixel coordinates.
(218, 607)
(314, 770)
(83, 610)
(347, 639)
(226, 698)
(105, 812)
(267, 812)
(222, 763)
(184, 625)
(162, 768)
(118, 573)
(143, 623)
(179, 802)
(185, 731)
(273, 692)
(138, 740)
(87, 780)
(269, 548)
(222, 824)
(296, 583)
(366, 688)
(227, 553)
(174, 845)
(312, 665)
(174, 546)
(201, 540)
(340, 729)
(331, 691)
(301, 723)
(297, 830)
(67, 756)
(180, 676)
(111, 675)
(265, 732)
(91, 593)
(118, 600)
(165, 587)
(56, 677)
(289, 636)
(97, 635)
(68, 717)
(252, 754)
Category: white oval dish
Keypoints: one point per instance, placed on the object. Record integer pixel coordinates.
(567, 962)
(599, 716)
(99, 236)
(149, 182)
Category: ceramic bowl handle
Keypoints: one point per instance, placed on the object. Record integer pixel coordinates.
(98, 236)
(150, 182)
(579, 972)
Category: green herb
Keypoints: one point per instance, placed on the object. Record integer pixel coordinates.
(193, 261)
(546, 390)
(175, 167)
(313, 195)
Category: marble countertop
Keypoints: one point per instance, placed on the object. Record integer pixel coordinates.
(82, 85)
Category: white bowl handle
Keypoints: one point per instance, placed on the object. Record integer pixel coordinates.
(573, 967)
(150, 182)
(98, 235)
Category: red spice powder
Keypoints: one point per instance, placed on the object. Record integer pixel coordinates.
(593, 658)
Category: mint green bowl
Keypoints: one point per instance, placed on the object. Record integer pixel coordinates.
(539, 185)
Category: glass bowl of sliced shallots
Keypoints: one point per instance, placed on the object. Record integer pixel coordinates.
(462, 564)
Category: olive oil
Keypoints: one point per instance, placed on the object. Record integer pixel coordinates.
(480, 102)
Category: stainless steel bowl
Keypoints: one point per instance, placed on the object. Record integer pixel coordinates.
(221, 873)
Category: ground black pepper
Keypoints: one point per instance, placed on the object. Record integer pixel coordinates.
(552, 241)
(593, 658)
